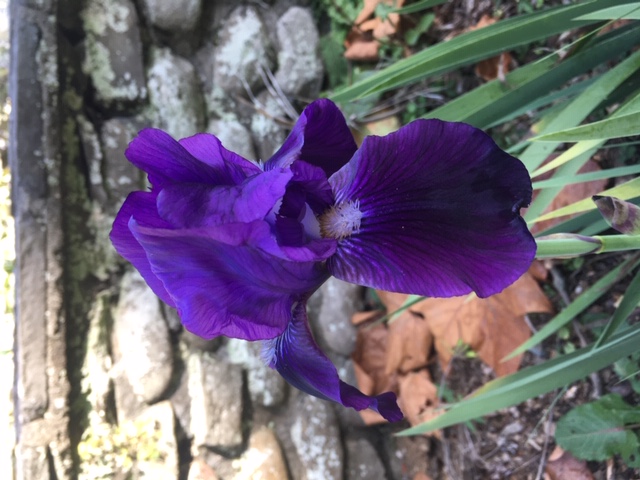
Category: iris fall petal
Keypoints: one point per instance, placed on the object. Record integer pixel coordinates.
(143, 205)
(439, 206)
(221, 284)
(297, 357)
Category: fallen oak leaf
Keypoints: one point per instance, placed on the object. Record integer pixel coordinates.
(418, 396)
(368, 9)
(409, 343)
(569, 194)
(492, 327)
(494, 67)
(538, 270)
(361, 47)
(360, 318)
(369, 360)
(562, 465)
(363, 41)
(421, 476)
(391, 300)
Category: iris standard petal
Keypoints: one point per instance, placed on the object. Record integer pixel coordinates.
(297, 357)
(223, 285)
(142, 205)
(208, 149)
(320, 137)
(166, 161)
(199, 205)
(435, 211)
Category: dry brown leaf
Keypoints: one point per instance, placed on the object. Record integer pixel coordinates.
(362, 42)
(381, 127)
(562, 465)
(493, 327)
(409, 343)
(387, 27)
(391, 300)
(484, 21)
(367, 385)
(362, 50)
(370, 358)
(418, 397)
(385, 358)
(538, 270)
(494, 67)
(359, 318)
(570, 194)
(421, 476)
(368, 9)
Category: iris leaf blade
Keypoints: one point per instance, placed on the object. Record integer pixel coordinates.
(533, 381)
(473, 46)
(615, 127)
(578, 306)
(418, 6)
(621, 12)
(625, 191)
(569, 163)
(627, 305)
(561, 181)
(579, 108)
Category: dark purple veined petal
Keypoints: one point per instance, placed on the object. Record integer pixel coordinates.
(320, 137)
(143, 206)
(297, 357)
(315, 184)
(189, 205)
(222, 283)
(168, 161)
(307, 195)
(440, 213)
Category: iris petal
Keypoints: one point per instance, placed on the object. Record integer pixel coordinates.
(440, 213)
(222, 283)
(143, 206)
(320, 137)
(208, 149)
(200, 205)
(297, 357)
(168, 161)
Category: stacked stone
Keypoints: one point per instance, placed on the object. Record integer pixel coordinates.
(103, 368)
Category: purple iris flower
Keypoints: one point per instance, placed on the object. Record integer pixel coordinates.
(237, 248)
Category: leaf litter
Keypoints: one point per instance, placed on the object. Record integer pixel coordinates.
(397, 356)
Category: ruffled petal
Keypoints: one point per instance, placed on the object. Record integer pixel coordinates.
(142, 205)
(167, 161)
(297, 357)
(222, 283)
(198, 205)
(440, 217)
(307, 195)
(320, 137)
(314, 183)
(208, 149)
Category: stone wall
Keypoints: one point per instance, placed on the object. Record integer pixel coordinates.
(108, 384)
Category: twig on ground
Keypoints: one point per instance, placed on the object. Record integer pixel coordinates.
(595, 379)
(270, 82)
(545, 446)
(560, 285)
(446, 457)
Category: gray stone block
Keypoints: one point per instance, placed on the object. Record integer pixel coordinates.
(177, 104)
(114, 52)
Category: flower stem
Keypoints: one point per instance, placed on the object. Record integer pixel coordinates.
(566, 245)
